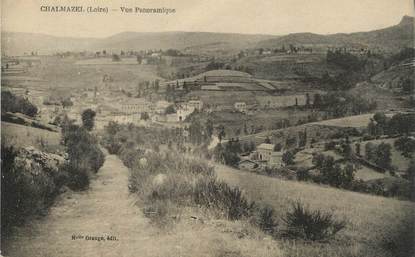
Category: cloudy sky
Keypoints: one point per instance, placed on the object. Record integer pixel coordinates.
(240, 16)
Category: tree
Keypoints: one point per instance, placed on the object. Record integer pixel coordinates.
(406, 145)
(277, 147)
(402, 123)
(317, 103)
(357, 149)
(288, 158)
(221, 133)
(170, 109)
(370, 151)
(307, 101)
(13, 103)
(407, 86)
(116, 58)
(209, 128)
(67, 102)
(411, 170)
(383, 155)
(144, 116)
(88, 117)
(195, 132)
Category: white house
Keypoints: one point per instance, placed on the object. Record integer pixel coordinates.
(240, 106)
(275, 159)
(183, 112)
(196, 104)
(137, 105)
(265, 151)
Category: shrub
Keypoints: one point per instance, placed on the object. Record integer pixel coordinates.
(26, 190)
(406, 145)
(79, 175)
(288, 157)
(303, 174)
(311, 225)
(13, 103)
(265, 219)
(213, 194)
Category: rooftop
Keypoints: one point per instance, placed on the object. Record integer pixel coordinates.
(266, 146)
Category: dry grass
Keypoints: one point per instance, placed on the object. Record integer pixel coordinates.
(365, 173)
(23, 136)
(356, 121)
(372, 222)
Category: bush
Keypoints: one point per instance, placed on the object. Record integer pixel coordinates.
(26, 190)
(265, 219)
(12, 103)
(85, 156)
(311, 225)
(213, 194)
(303, 174)
(79, 176)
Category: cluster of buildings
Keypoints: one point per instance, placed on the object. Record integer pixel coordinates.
(264, 155)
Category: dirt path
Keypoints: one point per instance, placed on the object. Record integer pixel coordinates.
(106, 209)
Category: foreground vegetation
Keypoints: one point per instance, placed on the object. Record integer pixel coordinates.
(375, 226)
(31, 178)
(171, 183)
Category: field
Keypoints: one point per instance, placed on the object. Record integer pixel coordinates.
(23, 136)
(64, 73)
(107, 61)
(397, 158)
(374, 224)
(357, 121)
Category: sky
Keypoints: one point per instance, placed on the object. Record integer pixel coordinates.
(276, 17)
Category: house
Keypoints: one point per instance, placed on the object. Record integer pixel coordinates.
(240, 106)
(196, 104)
(161, 106)
(264, 151)
(275, 159)
(183, 112)
(137, 105)
(248, 165)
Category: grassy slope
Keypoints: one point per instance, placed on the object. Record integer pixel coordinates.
(373, 221)
(23, 136)
(397, 158)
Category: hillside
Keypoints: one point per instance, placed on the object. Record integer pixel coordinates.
(14, 43)
(400, 35)
(369, 232)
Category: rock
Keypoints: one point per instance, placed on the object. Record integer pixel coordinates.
(159, 179)
(36, 161)
(143, 162)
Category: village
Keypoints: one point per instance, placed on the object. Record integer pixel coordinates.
(209, 135)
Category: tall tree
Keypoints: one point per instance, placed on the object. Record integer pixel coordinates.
(88, 119)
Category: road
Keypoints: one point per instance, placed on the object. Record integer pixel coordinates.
(106, 209)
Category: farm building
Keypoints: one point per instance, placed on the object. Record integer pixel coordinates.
(265, 151)
(137, 105)
(195, 104)
(275, 159)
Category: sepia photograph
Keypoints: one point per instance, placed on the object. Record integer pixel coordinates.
(207, 128)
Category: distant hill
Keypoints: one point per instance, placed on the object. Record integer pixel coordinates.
(14, 43)
(394, 37)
